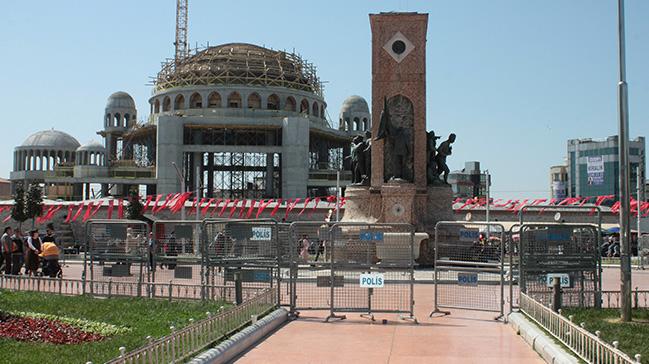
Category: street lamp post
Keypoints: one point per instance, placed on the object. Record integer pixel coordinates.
(181, 177)
(623, 138)
(488, 182)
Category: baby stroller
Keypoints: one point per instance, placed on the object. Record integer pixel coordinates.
(50, 261)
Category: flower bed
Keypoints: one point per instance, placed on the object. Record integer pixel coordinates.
(43, 330)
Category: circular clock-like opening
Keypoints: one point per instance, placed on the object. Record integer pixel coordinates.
(398, 47)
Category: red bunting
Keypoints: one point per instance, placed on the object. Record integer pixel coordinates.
(109, 214)
(290, 207)
(146, 205)
(277, 205)
(262, 207)
(234, 207)
(86, 216)
(243, 208)
(155, 207)
(225, 206)
(76, 215)
(207, 206)
(251, 209)
(216, 206)
(120, 208)
(317, 201)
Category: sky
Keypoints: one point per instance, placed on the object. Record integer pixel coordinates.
(513, 79)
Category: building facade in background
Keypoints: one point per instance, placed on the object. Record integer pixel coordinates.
(559, 182)
(233, 121)
(592, 166)
(468, 182)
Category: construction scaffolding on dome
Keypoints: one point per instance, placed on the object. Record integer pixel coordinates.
(239, 63)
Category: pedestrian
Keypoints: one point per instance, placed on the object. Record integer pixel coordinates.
(18, 253)
(7, 248)
(152, 249)
(34, 244)
(304, 248)
(173, 251)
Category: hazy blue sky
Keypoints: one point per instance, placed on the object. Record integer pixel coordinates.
(514, 79)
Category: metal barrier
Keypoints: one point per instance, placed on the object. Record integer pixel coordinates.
(469, 266)
(584, 344)
(309, 271)
(241, 253)
(567, 251)
(116, 250)
(372, 269)
(175, 252)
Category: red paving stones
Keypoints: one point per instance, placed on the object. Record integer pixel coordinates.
(462, 337)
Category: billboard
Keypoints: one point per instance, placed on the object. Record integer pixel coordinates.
(595, 170)
(559, 190)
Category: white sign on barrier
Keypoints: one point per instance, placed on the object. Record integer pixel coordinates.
(372, 280)
(563, 277)
(261, 233)
(467, 279)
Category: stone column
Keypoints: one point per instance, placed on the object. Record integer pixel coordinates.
(295, 164)
(170, 142)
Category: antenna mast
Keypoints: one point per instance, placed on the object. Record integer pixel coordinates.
(181, 30)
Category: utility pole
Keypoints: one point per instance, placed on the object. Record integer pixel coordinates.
(623, 139)
(488, 203)
(639, 199)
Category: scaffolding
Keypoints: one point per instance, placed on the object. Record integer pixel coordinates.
(239, 63)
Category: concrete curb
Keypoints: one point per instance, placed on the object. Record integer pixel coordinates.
(243, 340)
(540, 341)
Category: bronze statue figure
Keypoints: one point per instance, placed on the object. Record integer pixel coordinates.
(432, 174)
(367, 154)
(444, 151)
(358, 159)
(398, 158)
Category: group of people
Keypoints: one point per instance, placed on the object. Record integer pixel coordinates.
(20, 251)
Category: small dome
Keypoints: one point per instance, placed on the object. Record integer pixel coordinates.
(120, 100)
(355, 104)
(93, 146)
(51, 139)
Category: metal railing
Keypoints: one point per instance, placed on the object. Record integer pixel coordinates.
(610, 299)
(184, 343)
(587, 346)
(111, 288)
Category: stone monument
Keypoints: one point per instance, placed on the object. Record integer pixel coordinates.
(405, 162)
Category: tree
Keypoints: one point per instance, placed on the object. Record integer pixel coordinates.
(34, 203)
(18, 209)
(135, 207)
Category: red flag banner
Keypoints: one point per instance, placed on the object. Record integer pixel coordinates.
(120, 208)
(147, 203)
(109, 214)
(306, 202)
(155, 207)
(315, 206)
(207, 206)
(290, 207)
(242, 211)
(263, 206)
(79, 210)
(251, 209)
(216, 206)
(234, 207)
(225, 206)
(277, 205)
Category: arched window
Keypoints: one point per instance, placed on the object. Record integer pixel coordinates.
(127, 118)
(315, 111)
(341, 126)
(304, 107)
(366, 124)
(290, 104)
(214, 100)
(156, 106)
(273, 102)
(322, 112)
(108, 119)
(117, 119)
(195, 101)
(357, 124)
(179, 102)
(254, 101)
(348, 125)
(234, 100)
(166, 104)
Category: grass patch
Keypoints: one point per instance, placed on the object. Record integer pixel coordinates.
(633, 336)
(143, 317)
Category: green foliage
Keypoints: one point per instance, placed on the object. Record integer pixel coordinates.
(18, 209)
(135, 207)
(142, 317)
(34, 202)
(632, 336)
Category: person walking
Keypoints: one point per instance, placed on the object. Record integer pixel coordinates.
(18, 253)
(34, 244)
(7, 248)
(304, 248)
(152, 249)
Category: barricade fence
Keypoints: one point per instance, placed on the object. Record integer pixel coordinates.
(567, 251)
(584, 344)
(469, 267)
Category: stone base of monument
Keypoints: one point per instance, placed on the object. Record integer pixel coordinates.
(402, 203)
